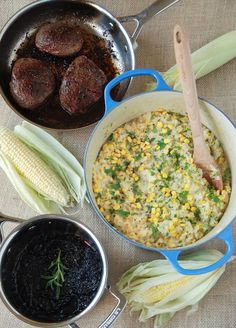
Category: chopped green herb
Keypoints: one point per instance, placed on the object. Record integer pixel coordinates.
(119, 200)
(155, 130)
(152, 139)
(226, 174)
(197, 213)
(183, 196)
(138, 157)
(131, 134)
(213, 197)
(109, 171)
(186, 166)
(111, 137)
(155, 231)
(149, 207)
(169, 131)
(137, 191)
(119, 168)
(123, 213)
(161, 144)
(115, 186)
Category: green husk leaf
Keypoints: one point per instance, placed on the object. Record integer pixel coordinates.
(137, 283)
(204, 60)
(57, 156)
(33, 199)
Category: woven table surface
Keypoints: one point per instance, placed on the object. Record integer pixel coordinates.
(204, 21)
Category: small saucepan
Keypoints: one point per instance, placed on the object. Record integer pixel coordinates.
(26, 268)
(115, 57)
(163, 97)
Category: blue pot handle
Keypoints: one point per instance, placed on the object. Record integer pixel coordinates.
(110, 103)
(226, 235)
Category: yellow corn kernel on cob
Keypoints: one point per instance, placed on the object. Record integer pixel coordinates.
(157, 293)
(39, 175)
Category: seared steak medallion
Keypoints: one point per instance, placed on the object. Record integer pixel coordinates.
(81, 86)
(32, 82)
(59, 39)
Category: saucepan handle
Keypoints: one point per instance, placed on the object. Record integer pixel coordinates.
(121, 303)
(110, 103)
(5, 218)
(140, 19)
(226, 235)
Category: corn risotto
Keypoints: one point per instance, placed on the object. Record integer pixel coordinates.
(147, 186)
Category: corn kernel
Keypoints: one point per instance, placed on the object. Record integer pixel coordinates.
(190, 197)
(160, 125)
(141, 168)
(221, 160)
(175, 221)
(116, 206)
(164, 210)
(130, 198)
(166, 140)
(164, 175)
(186, 187)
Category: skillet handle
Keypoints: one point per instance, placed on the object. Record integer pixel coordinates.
(226, 235)
(140, 19)
(108, 322)
(110, 103)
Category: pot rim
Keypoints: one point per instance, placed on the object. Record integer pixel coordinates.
(81, 226)
(135, 243)
(98, 7)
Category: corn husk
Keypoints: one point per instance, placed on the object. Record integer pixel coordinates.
(204, 60)
(157, 291)
(58, 158)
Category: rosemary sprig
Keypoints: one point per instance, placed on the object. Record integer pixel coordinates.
(56, 280)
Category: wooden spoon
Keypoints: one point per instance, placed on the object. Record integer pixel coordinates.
(201, 152)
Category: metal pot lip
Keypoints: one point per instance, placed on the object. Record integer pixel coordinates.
(140, 245)
(34, 4)
(103, 283)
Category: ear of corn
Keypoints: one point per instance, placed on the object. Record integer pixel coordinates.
(30, 166)
(156, 290)
(57, 156)
(46, 175)
(205, 60)
(34, 200)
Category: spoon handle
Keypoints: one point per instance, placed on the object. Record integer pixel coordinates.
(184, 63)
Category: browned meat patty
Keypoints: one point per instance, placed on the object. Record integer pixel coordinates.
(32, 82)
(59, 39)
(81, 86)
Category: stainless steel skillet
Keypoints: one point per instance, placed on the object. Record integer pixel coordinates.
(91, 17)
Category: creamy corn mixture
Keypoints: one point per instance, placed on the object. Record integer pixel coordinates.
(147, 186)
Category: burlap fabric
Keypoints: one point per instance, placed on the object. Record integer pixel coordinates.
(204, 20)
